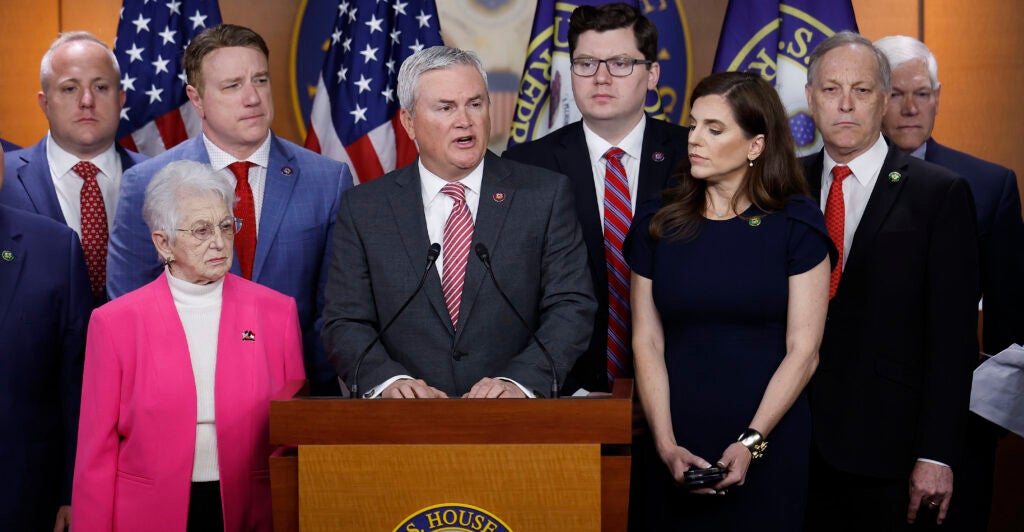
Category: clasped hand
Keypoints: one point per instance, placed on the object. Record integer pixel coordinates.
(736, 459)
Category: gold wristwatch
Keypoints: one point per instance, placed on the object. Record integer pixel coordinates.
(754, 442)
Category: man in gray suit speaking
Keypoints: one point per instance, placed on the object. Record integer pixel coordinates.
(458, 336)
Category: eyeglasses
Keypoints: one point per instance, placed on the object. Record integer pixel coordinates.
(203, 231)
(619, 67)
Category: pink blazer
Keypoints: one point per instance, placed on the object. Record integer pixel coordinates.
(136, 436)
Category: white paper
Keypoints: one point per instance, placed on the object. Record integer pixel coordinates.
(998, 391)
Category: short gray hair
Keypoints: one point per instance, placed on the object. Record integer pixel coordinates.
(46, 65)
(433, 58)
(900, 49)
(175, 182)
(844, 38)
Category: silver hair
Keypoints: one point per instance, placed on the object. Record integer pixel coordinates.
(46, 65)
(173, 184)
(900, 49)
(433, 58)
(844, 38)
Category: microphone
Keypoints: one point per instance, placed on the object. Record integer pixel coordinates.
(432, 254)
(485, 257)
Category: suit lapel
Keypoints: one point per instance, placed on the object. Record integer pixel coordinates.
(412, 230)
(10, 271)
(282, 175)
(574, 161)
(34, 177)
(655, 169)
(490, 218)
(882, 198)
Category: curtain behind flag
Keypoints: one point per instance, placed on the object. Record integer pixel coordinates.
(355, 111)
(775, 39)
(151, 40)
(545, 100)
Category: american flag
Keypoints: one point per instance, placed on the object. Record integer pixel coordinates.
(151, 39)
(355, 110)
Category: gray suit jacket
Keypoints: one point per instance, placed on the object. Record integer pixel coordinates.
(526, 220)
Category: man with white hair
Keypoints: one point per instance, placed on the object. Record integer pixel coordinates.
(909, 120)
(73, 174)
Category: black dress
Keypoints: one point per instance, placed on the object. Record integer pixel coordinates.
(722, 298)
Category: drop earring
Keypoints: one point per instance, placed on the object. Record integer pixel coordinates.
(750, 163)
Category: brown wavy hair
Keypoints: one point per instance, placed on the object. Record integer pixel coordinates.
(775, 176)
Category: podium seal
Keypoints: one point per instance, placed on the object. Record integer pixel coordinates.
(452, 517)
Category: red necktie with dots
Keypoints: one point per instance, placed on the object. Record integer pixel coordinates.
(245, 210)
(835, 221)
(94, 227)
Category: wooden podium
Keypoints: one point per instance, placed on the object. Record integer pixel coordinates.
(529, 465)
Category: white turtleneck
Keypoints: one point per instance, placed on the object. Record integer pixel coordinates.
(199, 308)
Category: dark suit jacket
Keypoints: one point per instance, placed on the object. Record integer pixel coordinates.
(29, 186)
(894, 378)
(379, 253)
(8, 146)
(1001, 235)
(44, 309)
(300, 204)
(565, 151)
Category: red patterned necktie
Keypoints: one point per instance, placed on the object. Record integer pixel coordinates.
(835, 221)
(94, 227)
(617, 216)
(245, 209)
(458, 233)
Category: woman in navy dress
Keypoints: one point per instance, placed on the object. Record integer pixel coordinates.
(729, 294)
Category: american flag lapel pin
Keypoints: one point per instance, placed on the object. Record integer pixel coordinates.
(248, 336)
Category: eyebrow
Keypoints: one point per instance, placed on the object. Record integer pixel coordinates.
(709, 121)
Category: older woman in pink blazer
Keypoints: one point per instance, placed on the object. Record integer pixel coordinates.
(179, 375)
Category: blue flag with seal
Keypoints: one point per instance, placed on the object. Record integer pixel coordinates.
(545, 101)
(775, 39)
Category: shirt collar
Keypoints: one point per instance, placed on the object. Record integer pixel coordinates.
(866, 165)
(920, 151)
(61, 160)
(220, 159)
(632, 143)
(431, 184)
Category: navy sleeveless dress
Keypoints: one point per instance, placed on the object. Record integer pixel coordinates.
(722, 298)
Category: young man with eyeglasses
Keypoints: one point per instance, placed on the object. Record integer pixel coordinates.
(614, 51)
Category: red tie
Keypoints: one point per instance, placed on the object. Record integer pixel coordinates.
(835, 220)
(94, 227)
(618, 215)
(245, 209)
(458, 232)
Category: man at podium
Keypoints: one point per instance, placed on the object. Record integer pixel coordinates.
(503, 305)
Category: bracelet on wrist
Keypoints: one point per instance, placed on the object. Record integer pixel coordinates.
(754, 442)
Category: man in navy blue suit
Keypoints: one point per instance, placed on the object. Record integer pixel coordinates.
(909, 120)
(82, 101)
(289, 196)
(44, 310)
(8, 146)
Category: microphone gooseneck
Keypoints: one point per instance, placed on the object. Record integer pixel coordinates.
(485, 258)
(432, 254)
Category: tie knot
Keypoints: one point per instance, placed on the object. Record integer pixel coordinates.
(839, 173)
(241, 170)
(456, 191)
(85, 170)
(614, 153)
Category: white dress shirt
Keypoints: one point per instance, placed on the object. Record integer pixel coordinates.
(68, 184)
(856, 191)
(437, 206)
(632, 144)
(220, 159)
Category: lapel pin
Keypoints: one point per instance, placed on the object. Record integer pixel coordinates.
(7, 255)
(499, 197)
(754, 222)
(658, 156)
(287, 170)
(248, 336)
(895, 177)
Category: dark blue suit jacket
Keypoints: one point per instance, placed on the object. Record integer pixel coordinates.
(7, 146)
(44, 309)
(565, 151)
(1001, 238)
(292, 250)
(29, 186)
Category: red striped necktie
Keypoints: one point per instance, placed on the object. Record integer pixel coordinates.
(458, 233)
(618, 214)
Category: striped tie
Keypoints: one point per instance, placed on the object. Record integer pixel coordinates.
(458, 233)
(617, 217)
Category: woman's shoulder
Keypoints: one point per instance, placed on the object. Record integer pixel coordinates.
(239, 287)
(803, 208)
